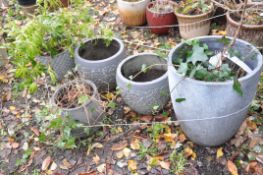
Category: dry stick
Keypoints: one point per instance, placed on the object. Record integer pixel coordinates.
(239, 26)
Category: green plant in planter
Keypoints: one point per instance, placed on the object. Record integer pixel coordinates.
(194, 7)
(194, 62)
(47, 35)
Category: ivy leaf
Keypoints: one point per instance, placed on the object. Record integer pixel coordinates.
(237, 86)
(179, 100)
(144, 68)
(198, 55)
(183, 69)
(224, 40)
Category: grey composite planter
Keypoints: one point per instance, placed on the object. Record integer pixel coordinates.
(99, 64)
(90, 113)
(206, 101)
(144, 95)
(61, 63)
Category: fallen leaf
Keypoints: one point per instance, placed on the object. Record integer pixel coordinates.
(182, 137)
(93, 146)
(219, 152)
(35, 131)
(135, 144)
(169, 137)
(101, 168)
(53, 166)
(65, 164)
(119, 154)
(251, 125)
(119, 146)
(12, 108)
(132, 165)
(45, 164)
(188, 152)
(232, 167)
(126, 152)
(165, 165)
(96, 159)
(4, 77)
(146, 118)
(15, 145)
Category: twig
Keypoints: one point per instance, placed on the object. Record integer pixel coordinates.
(124, 134)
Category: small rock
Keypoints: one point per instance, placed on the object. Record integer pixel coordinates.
(122, 163)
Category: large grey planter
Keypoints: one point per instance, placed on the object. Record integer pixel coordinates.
(61, 63)
(101, 71)
(144, 95)
(90, 113)
(206, 101)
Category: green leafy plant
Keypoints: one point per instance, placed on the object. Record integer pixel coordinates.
(194, 7)
(193, 61)
(48, 35)
(178, 162)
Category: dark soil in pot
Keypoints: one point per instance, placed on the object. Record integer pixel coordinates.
(26, 2)
(98, 50)
(149, 75)
(70, 97)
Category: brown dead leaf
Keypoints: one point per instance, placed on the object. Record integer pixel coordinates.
(146, 118)
(251, 125)
(135, 144)
(15, 145)
(188, 152)
(93, 146)
(182, 138)
(119, 154)
(132, 165)
(119, 146)
(96, 159)
(65, 164)
(3, 77)
(165, 164)
(169, 137)
(232, 167)
(45, 164)
(126, 152)
(35, 131)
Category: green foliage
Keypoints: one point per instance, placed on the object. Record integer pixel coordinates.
(179, 100)
(156, 130)
(48, 34)
(178, 162)
(24, 158)
(193, 61)
(194, 7)
(83, 99)
(56, 130)
(143, 151)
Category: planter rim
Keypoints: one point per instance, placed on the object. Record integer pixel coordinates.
(76, 52)
(229, 82)
(126, 80)
(194, 16)
(156, 13)
(130, 3)
(93, 86)
(248, 26)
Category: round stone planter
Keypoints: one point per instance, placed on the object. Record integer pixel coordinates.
(26, 2)
(250, 33)
(90, 112)
(133, 13)
(159, 19)
(97, 62)
(191, 26)
(147, 89)
(29, 10)
(61, 63)
(216, 108)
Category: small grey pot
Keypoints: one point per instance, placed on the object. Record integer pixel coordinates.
(216, 108)
(144, 95)
(61, 63)
(89, 113)
(100, 71)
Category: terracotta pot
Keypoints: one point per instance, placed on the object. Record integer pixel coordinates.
(250, 33)
(133, 13)
(159, 19)
(191, 26)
